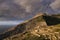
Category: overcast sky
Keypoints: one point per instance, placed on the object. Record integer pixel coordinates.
(16, 9)
(10, 22)
(31, 5)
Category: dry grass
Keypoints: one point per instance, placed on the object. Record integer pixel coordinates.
(48, 33)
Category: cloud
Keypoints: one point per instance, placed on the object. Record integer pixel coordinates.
(55, 5)
(26, 8)
(29, 5)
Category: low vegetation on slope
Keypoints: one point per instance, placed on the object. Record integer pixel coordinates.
(41, 27)
(48, 33)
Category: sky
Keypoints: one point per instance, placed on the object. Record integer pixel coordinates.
(56, 5)
(31, 5)
(9, 23)
(24, 9)
(13, 10)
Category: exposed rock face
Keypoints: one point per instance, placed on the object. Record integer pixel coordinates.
(38, 25)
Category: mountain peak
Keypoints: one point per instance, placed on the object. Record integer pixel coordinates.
(39, 14)
(37, 22)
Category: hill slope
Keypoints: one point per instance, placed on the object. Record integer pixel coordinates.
(40, 27)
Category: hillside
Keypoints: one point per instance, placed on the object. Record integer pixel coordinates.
(40, 27)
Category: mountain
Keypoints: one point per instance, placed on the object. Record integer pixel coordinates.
(40, 27)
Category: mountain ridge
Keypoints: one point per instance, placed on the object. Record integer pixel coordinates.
(41, 21)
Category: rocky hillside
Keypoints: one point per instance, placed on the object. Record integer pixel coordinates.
(40, 27)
